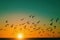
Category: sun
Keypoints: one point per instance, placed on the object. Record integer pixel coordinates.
(20, 36)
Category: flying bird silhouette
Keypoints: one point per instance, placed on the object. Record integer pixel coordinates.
(38, 28)
(31, 16)
(11, 26)
(6, 21)
(54, 27)
(38, 21)
(34, 28)
(57, 19)
(30, 26)
(51, 23)
(39, 32)
(23, 23)
(6, 25)
(15, 27)
(20, 28)
(53, 32)
(27, 22)
(33, 23)
(22, 19)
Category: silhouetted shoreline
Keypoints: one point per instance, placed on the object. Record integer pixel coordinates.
(30, 39)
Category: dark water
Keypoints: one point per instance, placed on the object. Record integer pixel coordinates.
(30, 39)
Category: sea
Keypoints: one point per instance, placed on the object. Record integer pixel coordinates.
(30, 39)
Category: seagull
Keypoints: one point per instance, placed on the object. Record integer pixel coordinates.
(30, 26)
(41, 35)
(31, 16)
(53, 32)
(23, 23)
(20, 28)
(39, 32)
(6, 21)
(22, 19)
(43, 30)
(6, 25)
(11, 25)
(38, 21)
(57, 19)
(15, 27)
(27, 22)
(38, 28)
(51, 23)
(34, 28)
(33, 23)
(54, 27)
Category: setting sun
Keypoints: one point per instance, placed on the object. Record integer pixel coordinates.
(20, 36)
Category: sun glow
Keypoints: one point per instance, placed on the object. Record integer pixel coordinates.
(20, 36)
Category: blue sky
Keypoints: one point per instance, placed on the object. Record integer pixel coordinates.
(46, 8)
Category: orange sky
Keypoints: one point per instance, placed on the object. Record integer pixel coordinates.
(31, 30)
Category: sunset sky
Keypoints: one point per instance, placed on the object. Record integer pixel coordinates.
(32, 18)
